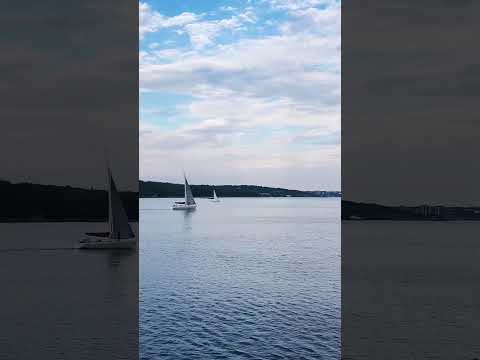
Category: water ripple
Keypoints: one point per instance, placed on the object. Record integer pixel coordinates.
(232, 285)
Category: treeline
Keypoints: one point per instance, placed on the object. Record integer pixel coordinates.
(148, 189)
(363, 211)
(370, 211)
(33, 202)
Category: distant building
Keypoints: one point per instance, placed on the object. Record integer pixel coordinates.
(429, 211)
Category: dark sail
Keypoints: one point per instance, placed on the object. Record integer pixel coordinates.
(189, 200)
(119, 226)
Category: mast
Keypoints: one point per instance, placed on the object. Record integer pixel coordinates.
(110, 205)
(109, 191)
(185, 187)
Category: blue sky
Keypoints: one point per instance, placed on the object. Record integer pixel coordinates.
(241, 92)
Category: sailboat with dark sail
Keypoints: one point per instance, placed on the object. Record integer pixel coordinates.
(121, 235)
(189, 202)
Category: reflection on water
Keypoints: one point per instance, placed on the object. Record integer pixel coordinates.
(187, 217)
(63, 303)
(117, 257)
(240, 279)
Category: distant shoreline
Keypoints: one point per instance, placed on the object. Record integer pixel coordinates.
(246, 197)
(26, 220)
(355, 211)
(153, 189)
(27, 202)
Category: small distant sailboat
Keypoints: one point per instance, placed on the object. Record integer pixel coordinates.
(214, 198)
(120, 235)
(189, 203)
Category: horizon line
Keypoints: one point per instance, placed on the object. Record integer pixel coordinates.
(272, 187)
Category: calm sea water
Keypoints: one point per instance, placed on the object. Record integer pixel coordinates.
(63, 303)
(410, 290)
(246, 278)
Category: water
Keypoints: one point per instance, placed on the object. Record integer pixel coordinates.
(246, 278)
(62, 303)
(411, 289)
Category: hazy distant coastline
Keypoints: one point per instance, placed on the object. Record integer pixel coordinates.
(152, 189)
(26, 202)
(371, 211)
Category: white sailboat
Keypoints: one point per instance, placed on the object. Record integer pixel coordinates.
(189, 202)
(120, 235)
(214, 198)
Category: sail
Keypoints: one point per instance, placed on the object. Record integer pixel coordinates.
(119, 226)
(189, 200)
(214, 195)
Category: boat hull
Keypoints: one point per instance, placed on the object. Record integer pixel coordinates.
(184, 207)
(93, 242)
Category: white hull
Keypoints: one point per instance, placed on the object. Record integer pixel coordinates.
(120, 234)
(189, 203)
(95, 242)
(215, 200)
(184, 207)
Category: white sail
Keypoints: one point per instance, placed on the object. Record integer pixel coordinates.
(119, 226)
(214, 195)
(189, 200)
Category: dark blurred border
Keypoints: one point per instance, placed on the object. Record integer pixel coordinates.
(69, 103)
(410, 171)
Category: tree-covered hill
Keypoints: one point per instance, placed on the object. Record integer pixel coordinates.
(33, 202)
(164, 189)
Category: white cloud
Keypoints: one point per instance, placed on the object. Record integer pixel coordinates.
(266, 163)
(152, 21)
(298, 73)
(227, 8)
(203, 33)
(326, 21)
(269, 104)
(296, 4)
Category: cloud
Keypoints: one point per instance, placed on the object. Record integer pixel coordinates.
(325, 21)
(227, 8)
(318, 137)
(265, 102)
(304, 67)
(293, 5)
(236, 162)
(152, 21)
(203, 33)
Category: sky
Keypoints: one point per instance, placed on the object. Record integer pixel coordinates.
(241, 92)
(69, 91)
(410, 102)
